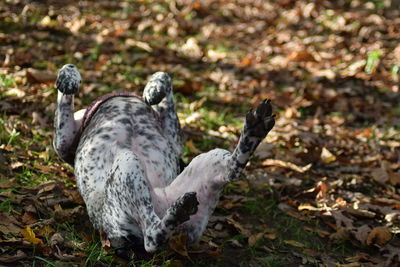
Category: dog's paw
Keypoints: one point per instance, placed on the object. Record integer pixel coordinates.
(68, 79)
(185, 206)
(260, 121)
(157, 88)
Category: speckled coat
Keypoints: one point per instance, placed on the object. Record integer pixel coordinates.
(127, 163)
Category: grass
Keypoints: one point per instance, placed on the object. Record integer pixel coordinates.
(372, 61)
(6, 80)
(7, 206)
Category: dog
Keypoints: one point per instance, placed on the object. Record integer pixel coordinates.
(126, 153)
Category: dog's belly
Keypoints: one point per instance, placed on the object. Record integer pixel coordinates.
(120, 124)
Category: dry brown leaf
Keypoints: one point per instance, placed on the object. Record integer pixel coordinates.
(342, 220)
(360, 213)
(326, 156)
(192, 147)
(40, 76)
(284, 164)
(340, 235)
(45, 230)
(393, 252)
(288, 210)
(190, 87)
(394, 178)
(270, 236)
(380, 175)
(294, 243)
(178, 244)
(174, 263)
(307, 206)
(243, 185)
(299, 56)
(15, 92)
(254, 238)
(362, 233)
(379, 235)
(230, 205)
(9, 224)
(7, 258)
(44, 168)
(29, 217)
(139, 44)
(238, 226)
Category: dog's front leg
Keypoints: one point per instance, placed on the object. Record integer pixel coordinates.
(66, 123)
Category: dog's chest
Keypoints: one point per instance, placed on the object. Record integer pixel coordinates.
(128, 123)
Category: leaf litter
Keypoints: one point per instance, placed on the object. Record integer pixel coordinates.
(331, 164)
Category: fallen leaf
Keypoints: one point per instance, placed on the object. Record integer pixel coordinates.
(307, 206)
(270, 236)
(319, 191)
(360, 213)
(284, 164)
(394, 178)
(254, 238)
(243, 185)
(178, 244)
(299, 56)
(190, 87)
(139, 44)
(40, 76)
(235, 243)
(9, 224)
(379, 235)
(340, 235)
(45, 230)
(380, 175)
(174, 263)
(29, 236)
(246, 62)
(7, 258)
(15, 92)
(326, 156)
(238, 226)
(342, 220)
(192, 148)
(230, 205)
(393, 252)
(288, 210)
(362, 233)
(294, 243)
(44, 168)
(29, 218)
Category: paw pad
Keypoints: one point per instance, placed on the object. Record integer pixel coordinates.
(186, 205)
(260, 121)
(157, 88)
(68, 80)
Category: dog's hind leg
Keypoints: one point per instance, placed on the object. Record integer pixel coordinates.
(208, 173)
(128, 202)
(66, 123)
(257, 125)
(158, 93)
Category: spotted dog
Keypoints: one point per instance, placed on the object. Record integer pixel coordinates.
(126, 153)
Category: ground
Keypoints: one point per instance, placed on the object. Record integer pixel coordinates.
(322, 190)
